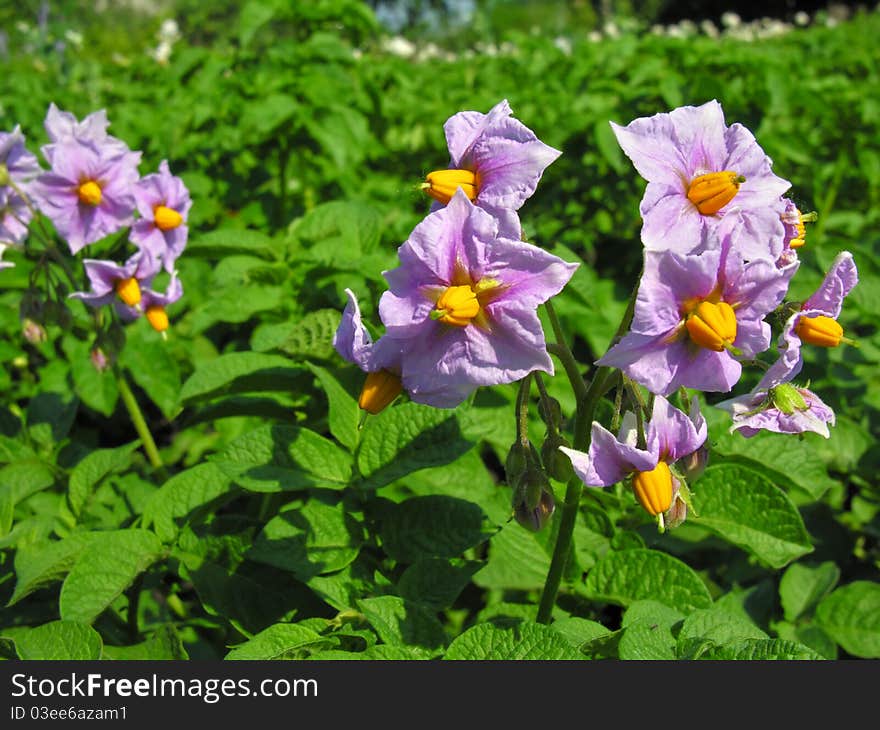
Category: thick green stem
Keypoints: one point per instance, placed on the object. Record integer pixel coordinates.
(522, 410)
(137, 419)
(587, 401)
(562, 351)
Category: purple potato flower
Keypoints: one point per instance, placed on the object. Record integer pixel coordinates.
(63, 127)
(88, 193)
(463, 304)
(777, 405)
(816, 322)
(15, 215)
(163, 203)
(695, 314)
(670, 435)
(496, 160)
(153, 304)
(700, 173)
(122, 284)
(21, 165)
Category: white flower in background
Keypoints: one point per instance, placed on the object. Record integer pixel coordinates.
(709, 28)
(801, 18)
(74, 37)
(169, 31)
(730, 20)
(563, 44)
(399, 46)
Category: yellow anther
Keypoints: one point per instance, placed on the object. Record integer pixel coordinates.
(380, 388)
(129, 291)
(653, 488)
(821, 331)
(712, 191)
(458, 306)
(442, 184)
(712, 326)
(157, 317)
(166, 218)
(89, 193)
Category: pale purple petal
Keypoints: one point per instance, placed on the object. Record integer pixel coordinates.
(838, 282)
(464, 128)
(15, 215)
(21, 164)
(669, 280)
(527, 274)
(608, 460)
(751, 415)
(352, 340)
(673, 434)
(651, 144)
(670, 222)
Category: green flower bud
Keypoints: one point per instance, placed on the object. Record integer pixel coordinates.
(519, 458)
(551, 412)
(557, 464)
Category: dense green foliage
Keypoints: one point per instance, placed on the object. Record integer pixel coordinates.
(279, 527)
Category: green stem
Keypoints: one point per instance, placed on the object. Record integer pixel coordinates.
(522, 410)
(563, 352)
(586, 409)
(137, 419)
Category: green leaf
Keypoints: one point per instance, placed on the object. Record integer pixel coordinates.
(225, 241)
(344, 415)
(743, 507)
(240, 372)
(761, 650)
(645, 640)
(96, 389)
(281, 641)
(433, 526)
(50, 416)
(349, 226)
(42, 563)
(405, 439)
(652, 612)
(579, 631)
(164, 644)
(279, 458)
(20, 479)
(851, 616)
(314, 539)
(400, 623)
(181, 494)
(236, 304)
(803, 586)
(435, 582)
(525, 640)
(632, 575)
(719, 627)
(312, 336)
(92, 469)
(58, 641)
(107, 566)
(517, 561)
(781, 459)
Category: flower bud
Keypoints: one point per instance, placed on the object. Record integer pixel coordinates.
(100, 361)
(535, 518)
(517, 461)
(557, 464)
(550, 411)
(694, 464)
(33, 332)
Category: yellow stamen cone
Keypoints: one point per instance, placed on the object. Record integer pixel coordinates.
(712, 326)
(821, 331)
(712, 191)
(89, 193)
(653, 488)
(157, 317)
(380, 388)
(458, 306)
(442, 184)
(129, 291)
(166, 218)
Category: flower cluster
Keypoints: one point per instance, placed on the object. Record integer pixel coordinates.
(91, 190)
(721, 246)
(461, 308)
